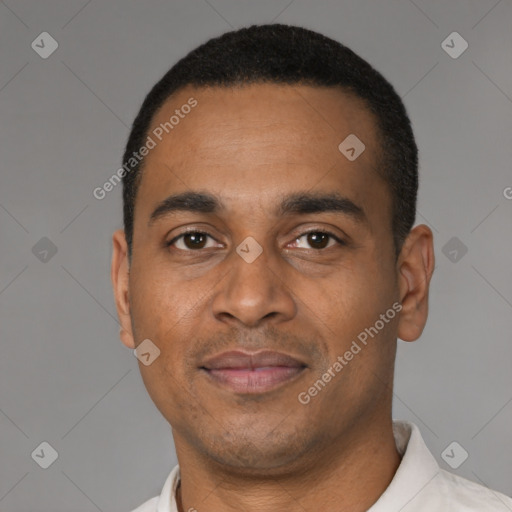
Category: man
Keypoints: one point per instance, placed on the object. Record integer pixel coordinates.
(267, 266)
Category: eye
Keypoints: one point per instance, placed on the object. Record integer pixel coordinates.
(319, 239)
(197, 240)
(190, 241)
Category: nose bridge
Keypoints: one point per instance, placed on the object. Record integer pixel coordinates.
(252, 264)
(254, 287)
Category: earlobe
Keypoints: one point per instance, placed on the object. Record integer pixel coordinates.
(415, 267)
(126, 338)
(119, 274)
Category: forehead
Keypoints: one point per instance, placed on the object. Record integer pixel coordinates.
(252, 144)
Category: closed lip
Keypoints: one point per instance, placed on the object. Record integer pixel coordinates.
(243, 360)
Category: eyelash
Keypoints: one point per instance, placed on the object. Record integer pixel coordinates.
(197, 232)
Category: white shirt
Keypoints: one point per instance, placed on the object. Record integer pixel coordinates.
(419, 484)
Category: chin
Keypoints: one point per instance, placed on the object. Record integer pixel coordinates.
(244, 454)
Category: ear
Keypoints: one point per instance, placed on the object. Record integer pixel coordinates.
(119, 274)
(415, 266)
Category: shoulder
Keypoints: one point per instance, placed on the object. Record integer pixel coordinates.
(420, 485)
(470, 496)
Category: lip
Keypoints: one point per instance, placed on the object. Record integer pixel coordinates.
(252, 372)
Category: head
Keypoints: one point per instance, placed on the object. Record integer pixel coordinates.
(291, 247)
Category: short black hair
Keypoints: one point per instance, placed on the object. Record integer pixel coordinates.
(284, 54)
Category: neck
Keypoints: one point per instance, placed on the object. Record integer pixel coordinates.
(351, 476)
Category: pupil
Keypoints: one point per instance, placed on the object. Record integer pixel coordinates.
(314, 239)
(195, 238)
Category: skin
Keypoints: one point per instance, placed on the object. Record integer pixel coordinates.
(251, 146)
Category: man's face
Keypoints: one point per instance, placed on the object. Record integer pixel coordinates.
(307, 296)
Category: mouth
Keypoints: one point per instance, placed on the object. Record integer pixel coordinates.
(252, 373)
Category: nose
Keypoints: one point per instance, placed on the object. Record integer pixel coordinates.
(254, 292)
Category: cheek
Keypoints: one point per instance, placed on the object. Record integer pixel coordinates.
(164, 311)
(348, 301)
(156, 301)
(167, 388)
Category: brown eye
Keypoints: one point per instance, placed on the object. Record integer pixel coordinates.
(190, 241)
(319, 239)
(194, 240)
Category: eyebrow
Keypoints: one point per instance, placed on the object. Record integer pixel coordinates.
(293, 204)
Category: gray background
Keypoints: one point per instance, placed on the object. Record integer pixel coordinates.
(65, 377)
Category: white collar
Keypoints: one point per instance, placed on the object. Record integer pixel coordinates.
(416, 470)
